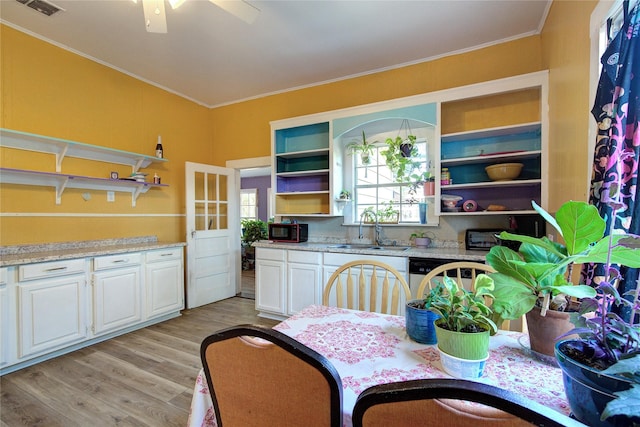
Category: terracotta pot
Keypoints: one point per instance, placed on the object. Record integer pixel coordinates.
(545, 331)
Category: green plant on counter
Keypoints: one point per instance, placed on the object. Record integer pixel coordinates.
(253, 230)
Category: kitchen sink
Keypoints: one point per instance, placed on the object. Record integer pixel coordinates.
(369, 246)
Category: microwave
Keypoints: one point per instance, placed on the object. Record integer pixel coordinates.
(294, 233)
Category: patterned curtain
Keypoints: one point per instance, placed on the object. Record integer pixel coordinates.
(617, 152)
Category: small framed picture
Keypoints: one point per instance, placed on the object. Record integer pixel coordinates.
(114, 175)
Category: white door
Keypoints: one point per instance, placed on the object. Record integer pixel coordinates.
(213, 239)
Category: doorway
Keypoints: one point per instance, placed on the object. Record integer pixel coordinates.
(254, 173)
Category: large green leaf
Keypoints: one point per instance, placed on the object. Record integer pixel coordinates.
(502, 259)
(628, 255)
(581, 225)
(512, 298)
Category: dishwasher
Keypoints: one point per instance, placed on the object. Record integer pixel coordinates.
(420, 267)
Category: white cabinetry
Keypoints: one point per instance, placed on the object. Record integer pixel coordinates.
(116, 291)
(164, 281)
(7, 333)
(270, 280)
(304, 280)
(51, 306)
(288, 280)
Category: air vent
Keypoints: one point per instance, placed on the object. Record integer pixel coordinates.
(42, 6)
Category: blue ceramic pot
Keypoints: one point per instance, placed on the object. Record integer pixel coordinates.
(419, 322)
(588, 391)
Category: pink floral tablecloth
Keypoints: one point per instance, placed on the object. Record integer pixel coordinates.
(372, 348)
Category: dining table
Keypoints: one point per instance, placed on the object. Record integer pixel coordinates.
(369, 348)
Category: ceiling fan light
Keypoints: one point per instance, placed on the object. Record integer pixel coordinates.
(176, 3)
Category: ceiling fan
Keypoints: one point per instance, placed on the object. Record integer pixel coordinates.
(156, 22)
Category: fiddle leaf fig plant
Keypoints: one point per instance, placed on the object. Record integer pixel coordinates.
(542, 269)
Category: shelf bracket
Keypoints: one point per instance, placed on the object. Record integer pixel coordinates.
(60, 158)
(134, 196)
(137, 166)
(60, 189)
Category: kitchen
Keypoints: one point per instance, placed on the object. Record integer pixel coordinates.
(90, 98)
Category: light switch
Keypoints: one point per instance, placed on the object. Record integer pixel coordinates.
(111, 196)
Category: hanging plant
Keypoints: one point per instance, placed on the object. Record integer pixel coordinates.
(364, 147)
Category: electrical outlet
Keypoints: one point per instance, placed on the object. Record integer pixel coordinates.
(111, 196)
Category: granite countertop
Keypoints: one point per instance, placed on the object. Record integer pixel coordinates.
(29, 254)
(454, 253)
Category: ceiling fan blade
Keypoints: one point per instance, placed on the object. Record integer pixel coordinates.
(239, 8)
(154, 17)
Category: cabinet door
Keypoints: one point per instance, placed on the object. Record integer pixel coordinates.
(116, 299)
(52, 313)
(304, 287)
(270, 285)
(7, 328)
(164, 287)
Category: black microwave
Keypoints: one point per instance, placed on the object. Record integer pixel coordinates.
(294, 233)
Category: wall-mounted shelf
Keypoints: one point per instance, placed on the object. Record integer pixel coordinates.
(62, 148)
(62, 181)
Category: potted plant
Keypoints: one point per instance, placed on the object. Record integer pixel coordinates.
(387, 214)
(464, 326)
(344, 195)
(419, 319)
(536, 280)
(252, 231)
(364, 147)
(541, 269)
(422, 239)
(399, 158)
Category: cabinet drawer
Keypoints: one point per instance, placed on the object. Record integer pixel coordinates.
(115, 261)
(164, 255)
(304, 257)
(50, 269)
(271, 254)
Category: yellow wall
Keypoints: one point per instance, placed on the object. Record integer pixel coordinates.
(566, 47)
(50, 91)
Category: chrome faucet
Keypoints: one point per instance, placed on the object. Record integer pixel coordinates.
(360, 235)
(377, 228)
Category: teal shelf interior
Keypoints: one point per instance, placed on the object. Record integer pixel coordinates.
(302, 138)
(302, 164)
(473, 173)
(453, 148)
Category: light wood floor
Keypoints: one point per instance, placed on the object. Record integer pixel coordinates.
(144, 378)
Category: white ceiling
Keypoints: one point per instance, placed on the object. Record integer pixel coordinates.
(214, 58)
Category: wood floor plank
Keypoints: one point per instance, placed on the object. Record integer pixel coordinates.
(143, 378)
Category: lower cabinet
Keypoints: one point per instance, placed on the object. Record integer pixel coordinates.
(117, 292)
(50, 308)
(164, 282)
(288, 281)
(52, 302)
(304, 285)
(270, 281)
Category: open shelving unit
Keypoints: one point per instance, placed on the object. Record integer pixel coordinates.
(63, 148)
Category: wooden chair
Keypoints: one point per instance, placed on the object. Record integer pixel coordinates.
(374, 285)
(454, 271)
(261, 377)
(445, 402)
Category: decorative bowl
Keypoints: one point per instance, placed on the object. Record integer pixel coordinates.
(504, 171)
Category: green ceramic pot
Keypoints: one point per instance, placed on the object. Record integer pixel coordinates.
(464, 345)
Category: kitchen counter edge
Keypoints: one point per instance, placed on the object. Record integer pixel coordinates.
(454, 254)
(8, 260)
